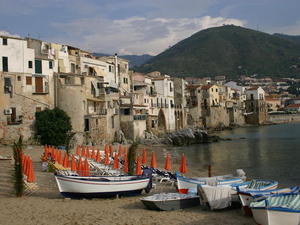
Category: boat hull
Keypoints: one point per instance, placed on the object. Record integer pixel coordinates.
(96, 188)
(276, 217)
(260, 216)
(184, 183)
(172, 204)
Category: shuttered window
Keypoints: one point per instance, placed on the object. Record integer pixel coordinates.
(5, 64)
(28, 80)
(38, 66)
(39, 85)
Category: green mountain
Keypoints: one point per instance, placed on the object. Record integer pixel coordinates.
(228, 50)
(295, 38)
(134, 60)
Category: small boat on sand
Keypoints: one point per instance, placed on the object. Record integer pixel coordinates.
(102, 186)
(256, 187)
(185, 183)
(283, 209)
(170, 201)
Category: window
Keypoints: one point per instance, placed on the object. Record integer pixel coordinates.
(13, 115)
(216, 89)
(38, 109)
(38, 66)
(125, 80)
(30, 64)
(110, 68)
(112, 122)
(86, 125)
(96, 121)
(4, 41)
(95, 107)
(72, 68)
(50, 65)
(7, 85)
(19, 78)
(28, 80)
(5, 64)
(171, 89)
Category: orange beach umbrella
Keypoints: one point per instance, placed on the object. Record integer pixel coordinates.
(153, 160)
(144, 161)
(80, 167)
(66, 161)
(183, 168)
(30, 176)
(98, 156)
(138, 170)
(73, 164)
(106, 160)
(125, 166)
(168, 162)
(78, 150)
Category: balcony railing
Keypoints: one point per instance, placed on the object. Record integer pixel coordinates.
(139, 117)
(102, 111)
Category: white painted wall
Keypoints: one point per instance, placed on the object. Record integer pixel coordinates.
(18, 55)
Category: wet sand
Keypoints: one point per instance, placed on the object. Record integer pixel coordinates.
(47, 206)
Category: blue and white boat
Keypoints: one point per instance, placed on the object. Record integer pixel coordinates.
(255, 187)
(102, 186)
(282, 209)
(185, 184)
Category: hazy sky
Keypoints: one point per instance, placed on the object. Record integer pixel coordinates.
(140, 26)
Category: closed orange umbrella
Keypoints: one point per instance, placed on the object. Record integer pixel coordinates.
(31, 176)
(106, 160)
(116, 161)
(168, 162)
(125, 151)
(59, 158)
(80, 167)
(106, 149)
(25, 165)
(153, 160)
(66, 161)
(52, 152)
(93, 156)
(98, 156)
(82, 151)
(78, 150)
(87, 152)
(73, 164)
(125, 166)
(183, 168)
(144, 161)
(138, 170)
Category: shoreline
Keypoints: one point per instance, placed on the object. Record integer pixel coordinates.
(47, 206)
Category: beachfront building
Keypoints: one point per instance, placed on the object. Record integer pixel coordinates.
(26, 78)
(180, 103)
(194, 99)
(87, 89)
(256, 107)
(164, 100)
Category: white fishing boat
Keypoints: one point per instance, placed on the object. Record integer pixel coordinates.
(170, 201)
(256, 186)
(101, 186)
(283, 209)
(185, 183)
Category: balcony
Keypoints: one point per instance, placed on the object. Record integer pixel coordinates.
(102, 111)
(139, 117)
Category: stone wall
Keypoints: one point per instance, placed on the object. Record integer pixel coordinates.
(218, 116)
(284, 118)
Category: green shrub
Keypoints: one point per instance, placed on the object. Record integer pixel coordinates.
(53, 126)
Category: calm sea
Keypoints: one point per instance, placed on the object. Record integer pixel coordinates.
(270, 152)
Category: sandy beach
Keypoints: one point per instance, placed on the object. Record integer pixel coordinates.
(47, 206)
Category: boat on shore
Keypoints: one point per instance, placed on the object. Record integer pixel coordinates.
(283, 209)
(185, 183)
(102, 186)
(170, 201)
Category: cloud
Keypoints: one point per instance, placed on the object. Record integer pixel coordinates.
(293, 29)
(6, 33)
(134, 35)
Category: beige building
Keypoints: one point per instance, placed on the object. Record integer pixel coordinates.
(26, 75)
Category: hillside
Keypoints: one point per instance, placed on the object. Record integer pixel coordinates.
(295, 38)
(134, 60)
(228, 50)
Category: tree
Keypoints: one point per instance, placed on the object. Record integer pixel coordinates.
(18, 173)
(53, 126)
